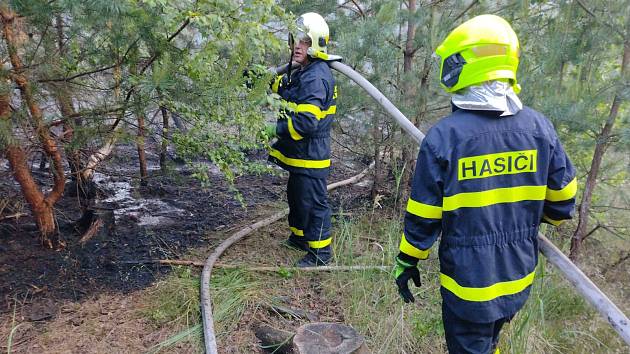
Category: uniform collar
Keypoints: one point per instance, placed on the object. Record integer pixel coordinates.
(493, 95)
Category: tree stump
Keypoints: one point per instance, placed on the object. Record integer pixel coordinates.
(274, 340)
(328, 338)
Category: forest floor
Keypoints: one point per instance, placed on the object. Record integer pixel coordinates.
(90, 298)
(102, 298)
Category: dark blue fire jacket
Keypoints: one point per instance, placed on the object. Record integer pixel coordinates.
(304, 124)
(485, 183)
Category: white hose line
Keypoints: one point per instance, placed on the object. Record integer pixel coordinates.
(586, 288)
(209, 337)
(400, 118)
(571, 272)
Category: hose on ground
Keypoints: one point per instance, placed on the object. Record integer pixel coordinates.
(209, 336)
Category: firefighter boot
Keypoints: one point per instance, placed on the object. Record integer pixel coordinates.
(296, 242)
(316, 257)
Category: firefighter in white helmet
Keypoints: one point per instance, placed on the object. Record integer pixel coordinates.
(303, 146)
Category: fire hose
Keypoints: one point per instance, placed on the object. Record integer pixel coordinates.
(585, 287)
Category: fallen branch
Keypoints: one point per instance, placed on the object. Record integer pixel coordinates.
(91, 231)
(192, 263)
(291, 312)
(305, 269)
(206, 301)
(14, 216)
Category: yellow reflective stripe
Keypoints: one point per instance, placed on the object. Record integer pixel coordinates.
(314, 110)
(294, 134)
(565, 193)
(320, 244)
(276, 84)
(308, 108)
(299, 162)
(296, 231)
(424, 210)
(489, 292)
(409, 249)
(321, 55)
(493, 196)
(552, 221)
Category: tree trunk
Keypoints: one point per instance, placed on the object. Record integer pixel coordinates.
(376, 140)
(165, 132)
(603, 141)
(42, 206)
(64, 100)
(409, 96)
(142, 159)
(107, 148)
(42, 211)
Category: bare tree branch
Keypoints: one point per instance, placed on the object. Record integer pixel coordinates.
(594, 16)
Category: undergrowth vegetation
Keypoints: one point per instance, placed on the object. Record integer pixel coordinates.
(174, 302)
(555, 319)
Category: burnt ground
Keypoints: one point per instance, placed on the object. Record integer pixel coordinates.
(37, 285)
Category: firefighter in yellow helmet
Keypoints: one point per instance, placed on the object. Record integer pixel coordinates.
(487, 176)
(303, 146)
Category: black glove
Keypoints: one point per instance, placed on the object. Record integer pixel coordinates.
(406, 268)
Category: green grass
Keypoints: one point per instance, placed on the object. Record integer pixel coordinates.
(174, 302)
(555, 319)
(370, 299)
(14, 328)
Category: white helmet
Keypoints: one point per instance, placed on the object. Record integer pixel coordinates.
(313, 26)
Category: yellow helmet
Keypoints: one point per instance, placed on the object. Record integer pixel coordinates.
(481, 49)
(313, 26)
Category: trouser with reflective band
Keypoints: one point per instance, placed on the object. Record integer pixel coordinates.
(309, 212)
(465, 337)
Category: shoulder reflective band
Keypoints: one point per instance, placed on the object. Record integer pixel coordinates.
(489, 292)
(299, 162)
(565, 193)
(424, 210)
(410, 250)
(493, 196)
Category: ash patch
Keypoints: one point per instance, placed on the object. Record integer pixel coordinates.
(170, 217)
(167, 219)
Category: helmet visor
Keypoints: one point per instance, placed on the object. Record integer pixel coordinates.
(298, 37)
(302, 36)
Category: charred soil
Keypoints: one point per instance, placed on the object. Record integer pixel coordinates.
(173, 217)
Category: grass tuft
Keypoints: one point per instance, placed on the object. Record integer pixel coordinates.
(554, 319)
(174, 302)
